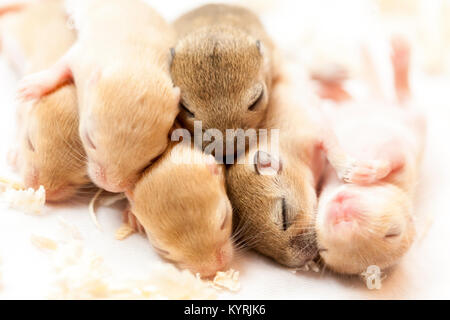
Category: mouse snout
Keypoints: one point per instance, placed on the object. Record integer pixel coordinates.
(31, 179)
(305, 248)
(224, 255)
(105, 180)
(343, 210)
(219, 261)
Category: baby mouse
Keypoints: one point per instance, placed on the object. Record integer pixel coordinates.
(182, 204)
(49, 152)
(273, 192)
(224, 65)
(362, 225)
(127, 102)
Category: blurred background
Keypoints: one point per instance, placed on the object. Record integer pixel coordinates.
(316, 35)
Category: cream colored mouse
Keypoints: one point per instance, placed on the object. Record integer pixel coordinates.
(182, 204)
(373, 224)
(49, 152)
(127, 102)
(224, 64)
(274, 193)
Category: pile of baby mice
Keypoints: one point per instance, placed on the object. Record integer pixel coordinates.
(106, 84)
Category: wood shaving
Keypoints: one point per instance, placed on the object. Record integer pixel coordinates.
(309, 266)
(227, 280)
(30, 201)
(124, 232)
(44, 243)
(70, 229)
(81, 274)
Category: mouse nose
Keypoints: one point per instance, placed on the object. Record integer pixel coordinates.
(99, 176)
(305, 248)
(32, 179)
(342, 209)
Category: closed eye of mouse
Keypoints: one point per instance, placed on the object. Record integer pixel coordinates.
(257, 102)
(184, 109)
(30, 144)
(274, 201)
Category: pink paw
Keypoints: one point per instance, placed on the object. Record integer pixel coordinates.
(32, 87)
(367, 172)
(132, 221)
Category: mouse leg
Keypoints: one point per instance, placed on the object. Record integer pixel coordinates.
(13, 7)
(130, 219)
(348, 168)
(37, 85)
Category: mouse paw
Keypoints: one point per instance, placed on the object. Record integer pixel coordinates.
(33, 87)
(130, 219)
(366, 172)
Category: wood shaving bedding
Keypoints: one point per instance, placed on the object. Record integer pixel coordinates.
(309, 266)
(82, 274)
(227, 280)
(124, 232)
(43, 243)
(18, 198)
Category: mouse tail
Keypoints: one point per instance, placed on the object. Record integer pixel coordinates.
(401, 64)
(12, 7)
(378, 69)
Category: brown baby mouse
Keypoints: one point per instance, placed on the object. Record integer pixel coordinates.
(127, 102)
(224, 65)
(182, 204)
(373, 224)
(273, 193)
(49, 152)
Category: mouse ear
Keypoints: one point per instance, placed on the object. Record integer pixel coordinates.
(266, 164)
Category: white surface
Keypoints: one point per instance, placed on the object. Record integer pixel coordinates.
(424, 273)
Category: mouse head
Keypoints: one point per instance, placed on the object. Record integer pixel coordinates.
(360, 226)
(224, 77)
(127, 125)
(50, 148)
(274, 201)
(183, 205)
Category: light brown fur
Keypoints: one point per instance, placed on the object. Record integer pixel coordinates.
(127, 101)
(222, 63)
(182, 203)
(257, 199)
(50, 151)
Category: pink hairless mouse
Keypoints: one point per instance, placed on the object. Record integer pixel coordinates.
(362, 225)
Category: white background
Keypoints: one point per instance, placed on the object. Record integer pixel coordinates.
(424, 273)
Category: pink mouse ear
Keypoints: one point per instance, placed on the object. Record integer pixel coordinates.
(266, 164)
